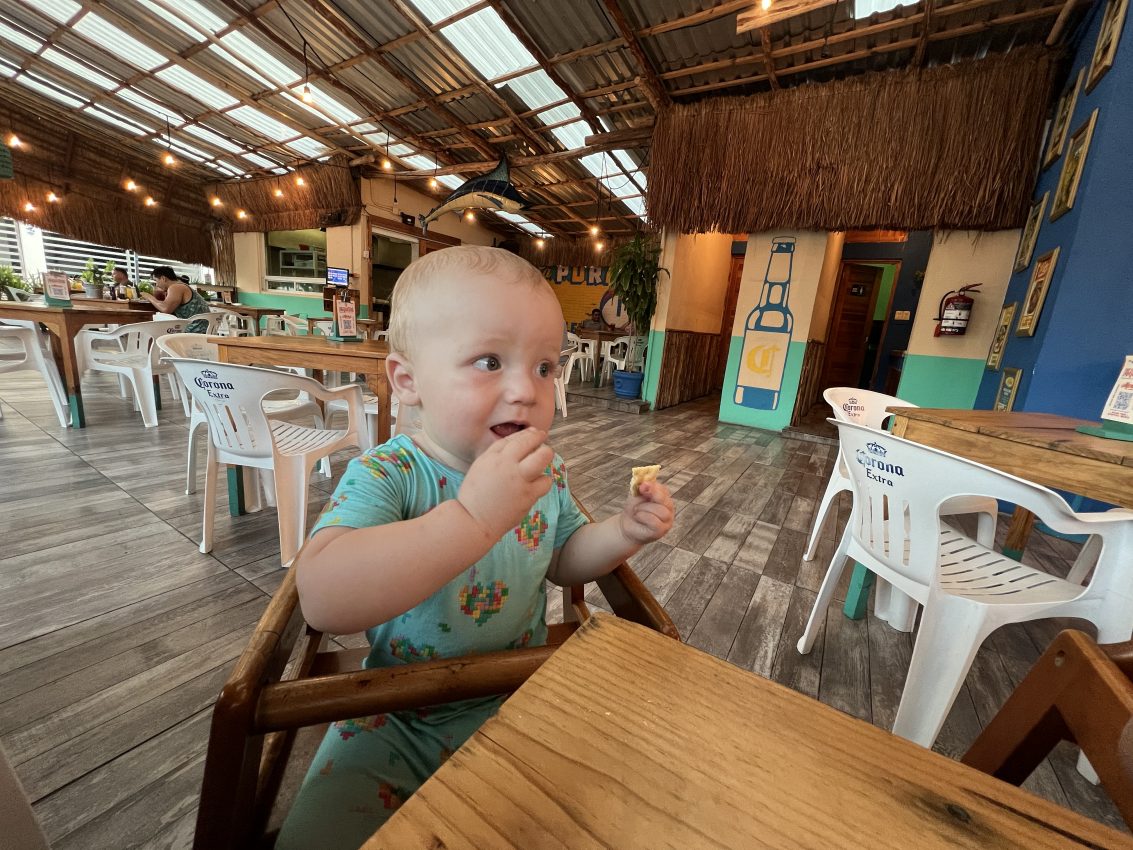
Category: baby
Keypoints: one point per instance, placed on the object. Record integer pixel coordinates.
(439, 545)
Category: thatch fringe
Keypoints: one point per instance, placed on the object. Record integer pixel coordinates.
(108, 221)
(561, 251)
(329, 197)
(950, 147)
(223, 252)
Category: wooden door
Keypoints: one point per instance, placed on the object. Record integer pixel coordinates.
(728, 318)
(850, 324)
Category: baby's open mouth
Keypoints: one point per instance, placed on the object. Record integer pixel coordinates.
(506, 429)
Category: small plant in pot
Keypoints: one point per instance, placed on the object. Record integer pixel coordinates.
(632, 274)
(9, 280)
(94, 278)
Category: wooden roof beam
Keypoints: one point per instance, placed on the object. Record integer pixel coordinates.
(653, 86)
(758, 17)
(768, 59)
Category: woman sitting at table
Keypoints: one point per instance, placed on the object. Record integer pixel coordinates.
(173, 295)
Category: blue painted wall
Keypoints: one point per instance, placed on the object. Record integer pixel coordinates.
(1084, 330)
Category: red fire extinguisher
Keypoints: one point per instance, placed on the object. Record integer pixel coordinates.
(955, 310)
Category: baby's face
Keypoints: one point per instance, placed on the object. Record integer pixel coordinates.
(484, 361)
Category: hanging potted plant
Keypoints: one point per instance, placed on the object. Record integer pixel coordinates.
(632, 275)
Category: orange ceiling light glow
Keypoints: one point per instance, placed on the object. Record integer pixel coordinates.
(52, 198)
(241, 214)
(216, 202)
(14, 141)
(279, 193)
(539, 243)
(386, 164)
(469, 215)
(169, 160)
(598, 246)
(150, 202)
(131, 186)
(299, 181)
(29, 207)
(593, 230)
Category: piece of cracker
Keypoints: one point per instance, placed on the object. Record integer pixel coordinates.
(641, 474)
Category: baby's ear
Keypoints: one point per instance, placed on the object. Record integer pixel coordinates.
(401, 381)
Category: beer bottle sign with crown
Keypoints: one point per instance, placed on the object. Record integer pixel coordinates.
(767, 334)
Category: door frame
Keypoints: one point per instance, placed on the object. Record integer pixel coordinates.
(830, 320)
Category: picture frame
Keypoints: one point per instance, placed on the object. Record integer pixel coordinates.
(1073, 164)
(1060, 124)
(1105, 48)
(1030, 233)
(1036, 293)
(999, 340)
(1008, 387)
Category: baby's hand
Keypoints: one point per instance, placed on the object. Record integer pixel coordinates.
(647, 516)
(504, 482)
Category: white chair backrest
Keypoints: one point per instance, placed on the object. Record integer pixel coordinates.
(574, 339)
(231, 398)
(380, 336)
(232, 323)
(284, 325)
(895, 480)
(864, 407)
(191, 346)
(325, 327)
(139, 338)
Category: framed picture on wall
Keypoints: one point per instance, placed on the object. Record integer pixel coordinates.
(1060, 125)
(1036, 293)
(1108, 36)
(1008, 386)
(1072, 167)
(1030, 233)
(999, 341)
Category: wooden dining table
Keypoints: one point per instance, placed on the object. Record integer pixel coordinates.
(367, 325)
(320, 355)
(1042, 447)
(64, 323)
(253, 313)
(627, 739)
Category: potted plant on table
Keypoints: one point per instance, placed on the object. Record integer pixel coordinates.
(632, 274)
(94, 278)
(9, 280)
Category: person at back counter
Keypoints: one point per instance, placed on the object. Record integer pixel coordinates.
(595, 322)
(173, 295)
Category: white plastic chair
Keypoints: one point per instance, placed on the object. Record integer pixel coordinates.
(380, 336)
(370, 405)
(299, 409)
(586, 357)
(23, 346)
(967, 590)
(240, 433)
(233, 323)
(284, 325)
(620, 352)
(571, 356)
(137, 360)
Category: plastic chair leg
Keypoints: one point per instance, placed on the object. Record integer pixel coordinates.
(948, 640)
(291, 504)
(834, 486)
(191, 458)
(50, 372)
(825, 595)
(985, 529)
(1086, 560)
(144, 396)
(212, 472)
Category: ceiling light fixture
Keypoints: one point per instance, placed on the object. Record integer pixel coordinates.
(599, 245)
(539, 243)
(29, 207)
(279, 193)
(150, 202)
(306, 96)
(241, 214)
(299, 181)
(469, 215)
(131, 186)
(169, 160)
(52, 198)
(216, 202)
(14, 141)
(593, 230)
(766, 4)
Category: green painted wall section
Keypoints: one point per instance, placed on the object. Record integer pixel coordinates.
(770, 420)
(941, 381)
(653, 366)
(296, 305)
(888, 275)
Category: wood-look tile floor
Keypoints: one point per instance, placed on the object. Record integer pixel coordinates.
(116, 633)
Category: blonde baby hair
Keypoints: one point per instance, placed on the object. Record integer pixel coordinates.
(417, 283)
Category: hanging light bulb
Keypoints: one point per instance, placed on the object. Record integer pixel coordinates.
(539, 243)
(216, 202)
(150, 202)
(307, 97)
(593, 230)
(241, 214)
(598, 246)
(52, 198)
(386, 164)
(279, 193)
(131, 186)
(299, 181)
(766, 4)
(14, 141)
(469, 215)
(433, 183)
(169, 159)
(29, 207)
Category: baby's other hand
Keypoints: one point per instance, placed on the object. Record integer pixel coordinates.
(647, 516)
(506, 480)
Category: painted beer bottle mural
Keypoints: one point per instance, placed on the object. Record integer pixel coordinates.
(767, 336)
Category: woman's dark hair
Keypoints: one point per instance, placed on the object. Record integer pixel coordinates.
(164, 271)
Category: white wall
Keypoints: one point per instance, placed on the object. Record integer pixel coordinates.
(377, 195)
(691, 296)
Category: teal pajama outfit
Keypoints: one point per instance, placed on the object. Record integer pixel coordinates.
(365, 768)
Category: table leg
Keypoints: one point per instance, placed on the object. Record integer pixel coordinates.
(857, 597)
(379, 386)
(63, 342)
(1021, 523)
(236, 490)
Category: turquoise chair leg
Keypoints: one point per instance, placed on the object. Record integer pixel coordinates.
(857, 598)
(236, 491)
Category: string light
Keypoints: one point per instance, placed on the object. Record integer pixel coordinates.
(241, 214)
(469, 215)
(52, 198)
(386, 164)
(169, 159)
(766, 4)
(150, 202)
(299, 181)
(279, 193)
(29, 207)
(217, 202)
(14, 141)
(131, 186)
(432, 182)
(598, 246)
(593, 230)
(539, 243)
(306, 96)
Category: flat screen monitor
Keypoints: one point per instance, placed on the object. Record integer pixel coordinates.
(338, 277)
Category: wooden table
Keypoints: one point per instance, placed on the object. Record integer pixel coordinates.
(64, 323)
(318, 354)
(107, 304)
(599, 337)
(628, 739)
(1040, 447)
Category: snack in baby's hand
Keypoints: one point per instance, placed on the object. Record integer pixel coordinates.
(641, 474)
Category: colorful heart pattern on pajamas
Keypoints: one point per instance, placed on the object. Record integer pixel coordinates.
(401, 647)
(347, 729)
(530, 531)
(558, 475)
(378, 462)
(481, 602)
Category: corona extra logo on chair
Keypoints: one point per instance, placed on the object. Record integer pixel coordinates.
(853, 409)
(209, 383)
(874, 466)
(208, 373)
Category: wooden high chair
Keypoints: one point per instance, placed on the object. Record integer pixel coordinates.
(1077, 691)
(286, 679)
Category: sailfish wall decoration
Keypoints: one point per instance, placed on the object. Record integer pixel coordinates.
(491, 191)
